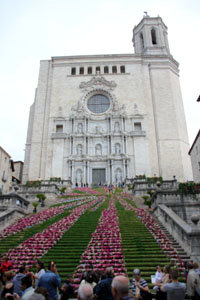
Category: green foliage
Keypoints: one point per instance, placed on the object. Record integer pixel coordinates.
(130, 186)
(140, 176)
(55, 179)
(189, 187)
(145, 197)
(33, 183)
(41, 197)
(154, 179)
(62, 190)
(0, 191)
(35, 204)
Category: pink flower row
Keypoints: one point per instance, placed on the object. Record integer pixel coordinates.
(39, 244)
(87, 190)
(155, 230)
(38, 218)
(105, 248)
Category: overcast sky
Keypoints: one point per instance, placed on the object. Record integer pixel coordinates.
(32, 30)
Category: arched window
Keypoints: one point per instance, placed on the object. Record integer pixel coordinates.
(106, 70)
(114, 69)
(117, 148)
(142, 40)
(98, 149)
(153, 36)
(122, 69)
(89, 70)
(79, 149)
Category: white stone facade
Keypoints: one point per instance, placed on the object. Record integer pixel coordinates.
(195, 157)
(140, 129)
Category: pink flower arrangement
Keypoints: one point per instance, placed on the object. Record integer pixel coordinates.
(38, 218)
(105, 247)
(155, 230)
(39, 244)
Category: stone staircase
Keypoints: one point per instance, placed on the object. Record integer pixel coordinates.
(181, 252)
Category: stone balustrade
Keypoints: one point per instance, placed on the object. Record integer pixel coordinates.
(187, 235)
(13, 200)
(9, 216)
(142, 186)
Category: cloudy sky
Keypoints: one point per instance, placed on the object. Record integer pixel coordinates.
(32, 30)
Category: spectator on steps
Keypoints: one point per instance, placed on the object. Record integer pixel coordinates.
(196, 268)
(8, 287)
(120, 288)
(17, 281)
(140, 289)
(158, 278)
(40, 272)
(89, 279)
(175, 289)
(161, 295)
(27, 288)
(103, 289)
(51, 281)
(193, 282)
(85, 292)
(6, 265)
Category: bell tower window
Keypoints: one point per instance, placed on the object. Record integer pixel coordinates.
(153, 36)
(142, 40)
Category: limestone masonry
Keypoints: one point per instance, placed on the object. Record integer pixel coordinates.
(104, 118)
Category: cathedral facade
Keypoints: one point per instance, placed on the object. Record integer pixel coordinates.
(104, 118)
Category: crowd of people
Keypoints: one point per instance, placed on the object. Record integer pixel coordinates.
(47, 285)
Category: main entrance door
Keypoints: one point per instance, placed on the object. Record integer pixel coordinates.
(98, 176)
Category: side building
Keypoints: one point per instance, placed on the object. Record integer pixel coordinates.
(6, 171)
(104, 118)
(194, 153)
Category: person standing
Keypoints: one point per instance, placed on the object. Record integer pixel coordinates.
(120, 288)
(103, 289)
(51, 281)
(193, 282)
(175, 289)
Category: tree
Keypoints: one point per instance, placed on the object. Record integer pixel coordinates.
(35, 205)
(41, 198)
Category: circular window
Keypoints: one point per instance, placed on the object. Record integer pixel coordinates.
(98, 103)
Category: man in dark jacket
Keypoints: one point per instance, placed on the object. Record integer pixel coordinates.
(103, 289)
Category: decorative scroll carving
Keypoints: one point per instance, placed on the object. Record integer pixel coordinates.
(100, 81)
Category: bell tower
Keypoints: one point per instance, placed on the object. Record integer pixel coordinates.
(150, 37)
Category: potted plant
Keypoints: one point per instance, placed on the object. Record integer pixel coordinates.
(35, 205)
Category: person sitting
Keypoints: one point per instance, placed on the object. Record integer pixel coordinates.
(140, 289)
(161, 295)
(175, 289)
(103, 289)
(120, 288)
(158, 278)
(85, 292)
